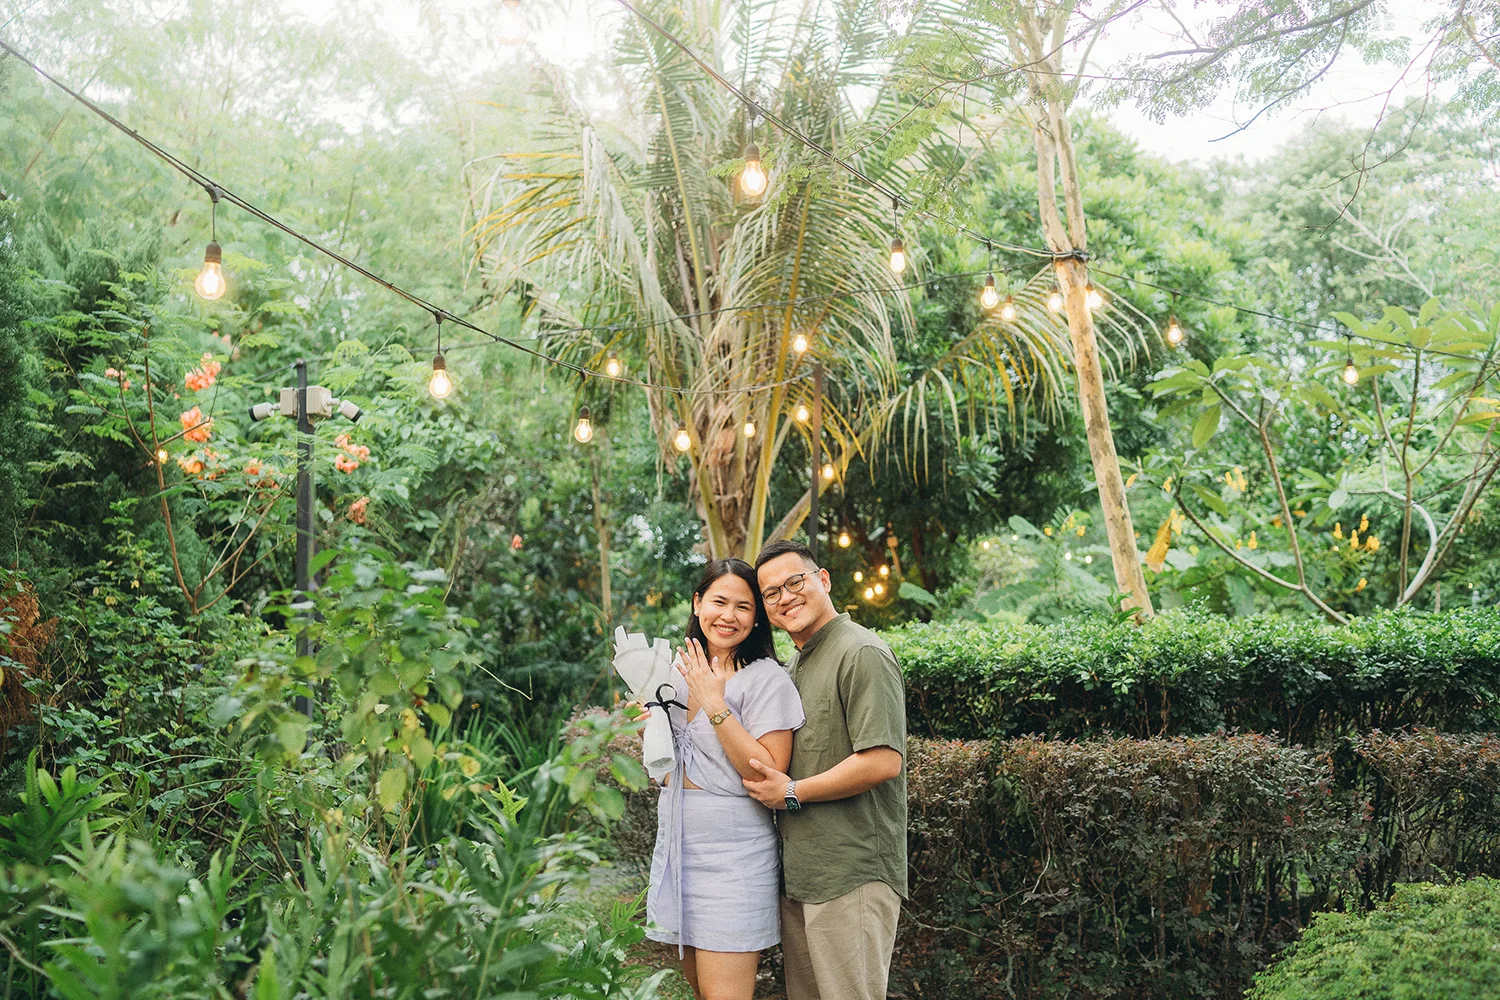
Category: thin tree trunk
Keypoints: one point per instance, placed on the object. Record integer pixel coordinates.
(602, 530)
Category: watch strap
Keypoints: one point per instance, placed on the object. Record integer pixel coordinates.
(718, 718)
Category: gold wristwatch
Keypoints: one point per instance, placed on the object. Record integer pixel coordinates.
(718, 717)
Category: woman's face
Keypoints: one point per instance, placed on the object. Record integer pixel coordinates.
(726, 611)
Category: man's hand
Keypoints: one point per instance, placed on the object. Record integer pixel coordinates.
(770, 788)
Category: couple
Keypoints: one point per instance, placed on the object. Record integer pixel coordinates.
(817, 754)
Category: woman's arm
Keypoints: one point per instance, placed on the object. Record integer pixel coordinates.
(707, 681)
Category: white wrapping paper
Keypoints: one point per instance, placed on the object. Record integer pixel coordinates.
(644, 667)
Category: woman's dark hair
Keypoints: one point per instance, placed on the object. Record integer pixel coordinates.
(758, 644)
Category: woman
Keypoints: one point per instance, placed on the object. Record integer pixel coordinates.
(715, 872)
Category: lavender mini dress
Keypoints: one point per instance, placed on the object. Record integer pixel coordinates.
(716, 870)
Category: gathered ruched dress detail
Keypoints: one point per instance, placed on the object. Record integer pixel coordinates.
(715, 871)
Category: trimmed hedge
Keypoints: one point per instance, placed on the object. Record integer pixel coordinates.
(1428, 941)
(1161, 868)
(1187, 673)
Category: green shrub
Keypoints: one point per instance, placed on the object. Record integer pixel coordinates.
(1427, 941)
(1187, 673)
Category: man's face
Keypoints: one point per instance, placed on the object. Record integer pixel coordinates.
(793, 612)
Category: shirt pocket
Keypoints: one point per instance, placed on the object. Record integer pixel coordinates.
(812, 738)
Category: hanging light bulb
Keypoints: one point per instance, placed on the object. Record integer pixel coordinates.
(799, 343)
(1092, 297)
(1055, 299)
(898, 255)
(844, 540)
(828, 471)
(879, 588)
(161, 456)
(512, 27)
(985, 545)
(749, 428)
(1015, 537)
(1175, 335)
(210, 284)
(753, 178)
(1008, 310)
(612, 368)
(869, 593)
(885, 570)
(683, 440)
(803, 414)
(859, 576)
(1351, 373)
(440, 385)
(584, 431)
(989, 298)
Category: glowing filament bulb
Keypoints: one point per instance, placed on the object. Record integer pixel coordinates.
(584, 431)
(985, 545)
(512, 27)
(799, 344)
(879, 588)
(210, 284)
(683, 440)
(844, 540)
(161, 456)
(1092, 296)
(1174, 332)
(869, 593)
(749, 428)
(440, 384)
(898, 255)
(1351, 373)
(1008, 310)
(1068, 556)
(859, 576)
(989, 298)
(885, 570)
(753, 177)
(612, 368)
(828, 471)
(1055, 299)
(803, 414)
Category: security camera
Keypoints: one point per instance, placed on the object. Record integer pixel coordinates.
(263, 411)
(350, 412)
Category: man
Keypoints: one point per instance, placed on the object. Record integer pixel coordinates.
(843, 806)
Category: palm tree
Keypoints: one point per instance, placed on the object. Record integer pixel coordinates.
(632, 241)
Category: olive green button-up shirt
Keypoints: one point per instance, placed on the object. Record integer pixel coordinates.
(855, 700)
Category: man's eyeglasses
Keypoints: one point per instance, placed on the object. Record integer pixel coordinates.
(791, 585)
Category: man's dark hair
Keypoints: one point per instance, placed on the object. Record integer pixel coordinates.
(781, 548)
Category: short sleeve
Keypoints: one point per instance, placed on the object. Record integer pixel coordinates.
(874, 699)
(768, 700)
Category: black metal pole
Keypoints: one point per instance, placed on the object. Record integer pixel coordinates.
(817, 459)
(304, 516)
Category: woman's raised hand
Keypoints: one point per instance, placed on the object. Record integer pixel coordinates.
(705, 678)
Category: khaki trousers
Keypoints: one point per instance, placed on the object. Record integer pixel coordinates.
(841, 949)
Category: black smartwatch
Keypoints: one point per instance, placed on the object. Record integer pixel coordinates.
(792, 802)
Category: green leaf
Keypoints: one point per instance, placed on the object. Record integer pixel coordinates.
(1207, 426)
(1211, 499)
(912, 592)
(391, 787)
(438, 712)
(1338, 498)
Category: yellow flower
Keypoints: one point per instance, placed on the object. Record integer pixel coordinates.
(1372, 543)
(1254, 544)
(1167, 486)
(1047, 531)
(1354, 539)
(1338, 530)
(1131, 481)
(1080, 531)
(1300, 512)
(1276, 521)
(1364, 524)
(1360, 585)
(1239, 544)
(1156, 556)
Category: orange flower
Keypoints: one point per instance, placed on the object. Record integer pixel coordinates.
(515, 541)
(252, 468)
(357, 510)
(191, 464)
(203, 376)
(344, 463)
(195, 428)
(358, 452)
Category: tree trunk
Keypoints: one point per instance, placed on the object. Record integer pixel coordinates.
(1054, 149)
(602, 530)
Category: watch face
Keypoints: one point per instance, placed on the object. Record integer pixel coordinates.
(792, 804)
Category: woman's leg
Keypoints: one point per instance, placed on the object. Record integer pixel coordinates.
(690, 969)
(726, 975)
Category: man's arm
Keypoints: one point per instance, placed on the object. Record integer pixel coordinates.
(856, 773)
